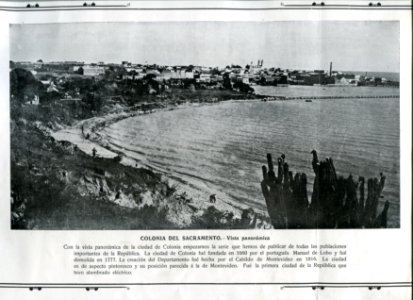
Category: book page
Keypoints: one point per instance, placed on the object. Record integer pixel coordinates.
(224, 150)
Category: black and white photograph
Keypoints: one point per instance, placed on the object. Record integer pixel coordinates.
(205, 125)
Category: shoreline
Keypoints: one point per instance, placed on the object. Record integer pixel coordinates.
(95, 124)
(92, 126)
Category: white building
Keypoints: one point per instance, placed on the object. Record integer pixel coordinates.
(205, 78)
(189, 75)
(93, 70)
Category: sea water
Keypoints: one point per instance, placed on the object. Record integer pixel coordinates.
(220, 148)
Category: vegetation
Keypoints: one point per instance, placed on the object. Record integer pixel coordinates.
(336, 202)
(56, 186)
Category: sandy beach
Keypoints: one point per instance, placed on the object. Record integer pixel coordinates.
(91, 128)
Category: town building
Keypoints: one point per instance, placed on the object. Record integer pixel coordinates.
(93, 70)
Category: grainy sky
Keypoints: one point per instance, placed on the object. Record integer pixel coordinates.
(350, 45)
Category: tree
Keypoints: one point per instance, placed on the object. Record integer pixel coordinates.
(227, 82)
(23, 84)
(215, 71)
(190, 68)
(50, 97)
(93, 101)
(80, 71)
(244, 88)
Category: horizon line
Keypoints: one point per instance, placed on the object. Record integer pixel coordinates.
(208, 66)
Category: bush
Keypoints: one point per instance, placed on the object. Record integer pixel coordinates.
(117, 158)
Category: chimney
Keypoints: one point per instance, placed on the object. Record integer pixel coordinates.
(331, 67)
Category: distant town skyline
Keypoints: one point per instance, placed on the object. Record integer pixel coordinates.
(371, 46)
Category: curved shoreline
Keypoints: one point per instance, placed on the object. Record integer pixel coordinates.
(93, 126)
(96, 124)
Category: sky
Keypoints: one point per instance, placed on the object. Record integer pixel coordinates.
(307, 45)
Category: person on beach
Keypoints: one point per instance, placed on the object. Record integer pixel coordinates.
(94, 152)
(212, 198)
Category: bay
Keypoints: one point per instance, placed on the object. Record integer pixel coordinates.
(220, 148)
